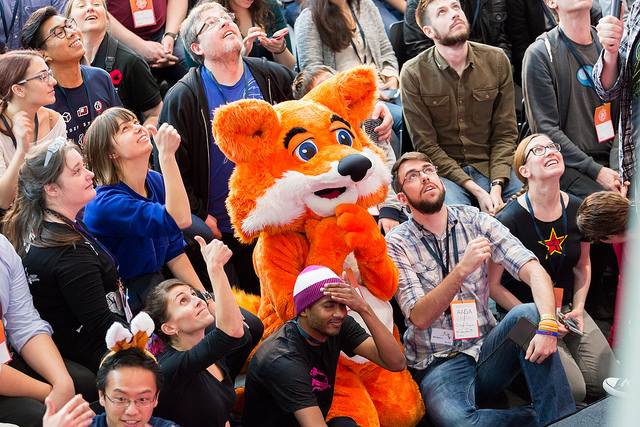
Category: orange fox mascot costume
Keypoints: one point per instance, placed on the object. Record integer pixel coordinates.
(305, 175)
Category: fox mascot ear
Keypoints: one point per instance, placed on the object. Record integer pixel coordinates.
(351, 94)
(247, 130)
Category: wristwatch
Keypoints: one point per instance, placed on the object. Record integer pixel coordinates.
(170, 34)
(500, 183)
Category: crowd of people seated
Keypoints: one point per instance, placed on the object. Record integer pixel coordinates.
(108, 165)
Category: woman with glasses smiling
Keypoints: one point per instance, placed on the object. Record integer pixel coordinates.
(26, 86)
(544, 219)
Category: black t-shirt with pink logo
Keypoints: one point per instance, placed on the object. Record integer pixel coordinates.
(287, 374)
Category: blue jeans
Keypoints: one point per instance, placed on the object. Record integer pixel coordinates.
(450, 386)
(456, 195)
(388, 14)
(396, 113)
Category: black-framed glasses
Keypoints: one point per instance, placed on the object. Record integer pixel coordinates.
(121, 402)
(413, 175)
(211, 23)
(53, 148)
(540, 150)
(61, 30)
(44, 76)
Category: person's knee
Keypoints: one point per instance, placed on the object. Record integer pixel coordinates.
(530, 311)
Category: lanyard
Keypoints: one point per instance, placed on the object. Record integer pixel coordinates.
(546, 12)
(475, 15)
(10, 132)
(437, 254)
(7, 29)
(246, 82)
(578, 58)
(90, 105)
(304, 334)
(364, 40)
(558, 268)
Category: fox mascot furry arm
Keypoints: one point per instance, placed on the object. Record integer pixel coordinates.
(305, 175)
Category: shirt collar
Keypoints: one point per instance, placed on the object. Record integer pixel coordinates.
(443, 64)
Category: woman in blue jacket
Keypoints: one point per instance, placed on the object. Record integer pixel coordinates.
(138, 214)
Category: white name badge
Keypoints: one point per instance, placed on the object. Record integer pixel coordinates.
(465, 319)
(441, 336)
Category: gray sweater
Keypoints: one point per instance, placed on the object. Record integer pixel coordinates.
(311, 51)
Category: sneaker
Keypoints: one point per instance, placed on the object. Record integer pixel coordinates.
(618, 387)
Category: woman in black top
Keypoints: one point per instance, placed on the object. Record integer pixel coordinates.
(544, 219)
(73, 279)
(197, 364)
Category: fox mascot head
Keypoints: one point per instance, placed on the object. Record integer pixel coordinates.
(301, 158)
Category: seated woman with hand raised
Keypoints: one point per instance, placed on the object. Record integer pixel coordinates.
(138, 214)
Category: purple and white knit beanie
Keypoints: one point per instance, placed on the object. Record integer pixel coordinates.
(308, 284)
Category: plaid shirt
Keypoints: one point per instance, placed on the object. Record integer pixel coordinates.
(421, 273)
(621, 90)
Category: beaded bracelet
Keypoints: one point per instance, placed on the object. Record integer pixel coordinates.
(541, 332)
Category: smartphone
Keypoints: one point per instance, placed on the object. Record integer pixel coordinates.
(570, 324)
(522, 333)
(279, 34)
(616, 8)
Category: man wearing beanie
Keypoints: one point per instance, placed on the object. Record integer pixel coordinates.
(292, 374)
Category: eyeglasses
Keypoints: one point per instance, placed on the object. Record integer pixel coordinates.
(540, 150)
(121, 402)
(53, 148)
(44, 76)
(211, 23)
(412, 175)
(61, 30)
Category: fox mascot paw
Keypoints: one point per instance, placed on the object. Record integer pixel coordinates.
(305, 175)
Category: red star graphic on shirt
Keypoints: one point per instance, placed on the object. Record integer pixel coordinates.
(554, 243)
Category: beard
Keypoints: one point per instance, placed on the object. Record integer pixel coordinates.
(426, 207)
(452, 40)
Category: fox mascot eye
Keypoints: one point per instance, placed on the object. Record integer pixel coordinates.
(306, 150)
(344, 137)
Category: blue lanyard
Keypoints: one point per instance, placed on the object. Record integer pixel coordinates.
(364, 40)
(90, 103)
(304, 334)
(7, 29)
(578, 58)
(475, 15)
(437, 255)
(246, 83)
(546, 12)
(558, 268)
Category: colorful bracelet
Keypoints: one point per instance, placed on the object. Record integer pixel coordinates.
(540, 332)
(549, 317)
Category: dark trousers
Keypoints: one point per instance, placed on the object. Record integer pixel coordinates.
(27, 412)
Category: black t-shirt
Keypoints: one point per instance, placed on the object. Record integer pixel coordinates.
(558, 243)
(130, 75)
(71, 286)
(191, 396)
(287, 374)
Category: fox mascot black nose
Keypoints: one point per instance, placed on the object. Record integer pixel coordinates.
(354, 166)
